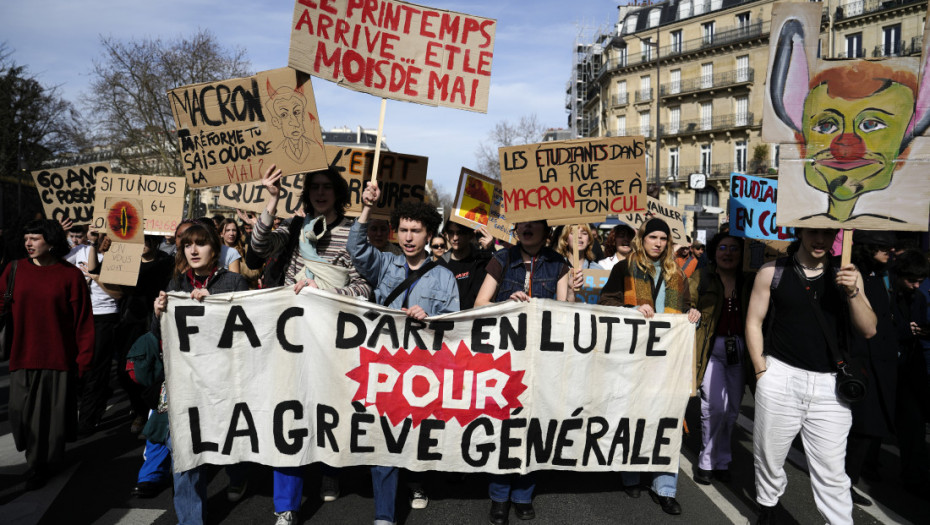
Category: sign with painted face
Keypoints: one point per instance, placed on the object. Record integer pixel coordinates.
(478, 203)
(581, 180)
(393, 49)
(852, 131)
(231, 131)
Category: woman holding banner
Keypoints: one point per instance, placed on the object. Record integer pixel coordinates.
(527, 270)
(309, 252)
(197, 272)
(651, 282)
(722, 292)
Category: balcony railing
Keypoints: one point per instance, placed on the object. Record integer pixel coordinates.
(621, 99)
(864, 7)
(704, 125)
(720, 38)
(898, 49)
(643, 95)
(714, 171)
(645, 131)
(717, 80)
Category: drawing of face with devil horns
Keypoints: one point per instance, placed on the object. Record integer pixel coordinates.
(853, 122)
(287, 107)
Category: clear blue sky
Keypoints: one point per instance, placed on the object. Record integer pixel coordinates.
(59, 40)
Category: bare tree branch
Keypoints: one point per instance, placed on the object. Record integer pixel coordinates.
(505, 133)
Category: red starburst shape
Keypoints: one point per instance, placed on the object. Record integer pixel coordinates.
(421, 384)
(124, 220)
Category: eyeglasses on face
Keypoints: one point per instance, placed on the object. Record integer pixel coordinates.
(730, 247)
(438, 246)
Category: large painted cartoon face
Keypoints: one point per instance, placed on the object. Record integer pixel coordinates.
(289, 116)
(852, 144)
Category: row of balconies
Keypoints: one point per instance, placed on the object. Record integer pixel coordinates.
(864, 7)
(719, 38)
(691, 85)
(691, 127)
(715, 123)
(704, 82)
(902, 48)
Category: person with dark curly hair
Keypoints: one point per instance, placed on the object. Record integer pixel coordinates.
(53, 344)
(310, 251)
(411, 282)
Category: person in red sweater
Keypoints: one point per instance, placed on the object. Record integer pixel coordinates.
(53, 343)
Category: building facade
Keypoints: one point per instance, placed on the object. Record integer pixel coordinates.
(688, 75)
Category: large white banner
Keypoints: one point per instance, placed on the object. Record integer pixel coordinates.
(284, 380)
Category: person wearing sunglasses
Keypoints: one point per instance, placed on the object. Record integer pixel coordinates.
(437, 246)
(722, 292)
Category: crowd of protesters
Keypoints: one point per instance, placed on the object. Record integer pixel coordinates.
(774, 330)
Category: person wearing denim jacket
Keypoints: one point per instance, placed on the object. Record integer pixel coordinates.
(434, 293)
(527, 270)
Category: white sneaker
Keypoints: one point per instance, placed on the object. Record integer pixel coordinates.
(418, 499)
(329, 488)
(286, 518)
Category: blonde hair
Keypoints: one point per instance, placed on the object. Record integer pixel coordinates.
(639, 258)
(565, 248)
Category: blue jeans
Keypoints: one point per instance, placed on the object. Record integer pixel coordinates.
(384, 486)
(512, 487)
(156, 467)
(190, 491)
(663, 483)
(289, 486)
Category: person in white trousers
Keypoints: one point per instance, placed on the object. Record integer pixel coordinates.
(796, 378)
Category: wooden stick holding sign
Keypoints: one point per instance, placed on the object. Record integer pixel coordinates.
(374, 167)
(575, 259)
(846, 256)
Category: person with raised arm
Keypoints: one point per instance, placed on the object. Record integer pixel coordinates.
(411, 282)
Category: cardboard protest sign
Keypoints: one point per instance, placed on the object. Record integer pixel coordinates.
(68, 193)
(381, 388)
(478, 203)
(853, 151)
(580, 180)
(123, 219)
(231, 131)
(674, 217)
(594, 281)
(752, 208)
(396, 50)
(121, 263)
(758, 252)
(162, 200)
(401, 177)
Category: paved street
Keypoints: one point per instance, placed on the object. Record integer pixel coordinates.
(102, 470)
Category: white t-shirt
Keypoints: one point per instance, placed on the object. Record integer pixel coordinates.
(227, 256)
(100, 301)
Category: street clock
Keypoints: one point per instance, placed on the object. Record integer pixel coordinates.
(697, 181)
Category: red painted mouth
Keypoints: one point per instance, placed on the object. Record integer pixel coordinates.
(844, 165)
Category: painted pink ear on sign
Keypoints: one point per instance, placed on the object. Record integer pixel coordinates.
(921, 118)
(789, 86)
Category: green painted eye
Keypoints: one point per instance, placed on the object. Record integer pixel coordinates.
(826, 127)
(870, 125)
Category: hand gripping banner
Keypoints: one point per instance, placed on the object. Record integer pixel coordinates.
(285, 380)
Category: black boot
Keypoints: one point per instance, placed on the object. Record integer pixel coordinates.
(500, 511)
